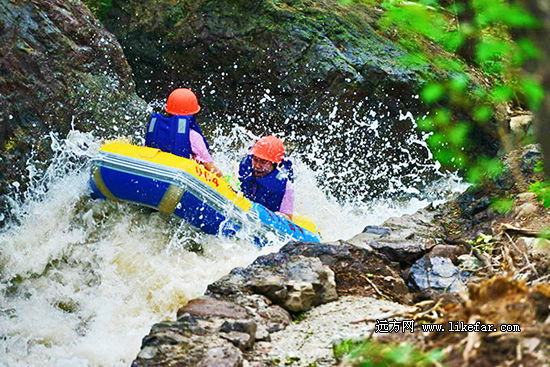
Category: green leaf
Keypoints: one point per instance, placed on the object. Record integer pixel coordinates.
(539, 167)
(458, 83)
(442, 117)
(432, 92)
(533, 92)
(545, 233)
(435, 140)
(426, 124)
(483, 113)
(502, 205)
(444, 156)
(542, 190)
(474, 175)
(517, 17)
(452, 41)
(456, 8)
(490, 48)
(501, 93)
(492, 167)
(448, 64)
(527, 51)
(457, 135)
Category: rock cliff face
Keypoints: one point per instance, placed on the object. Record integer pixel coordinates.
(315, 71)
(59, 67)
(311, 55)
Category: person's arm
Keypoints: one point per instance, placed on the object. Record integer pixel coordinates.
(287, 204)
(211, 167)
(202, 155)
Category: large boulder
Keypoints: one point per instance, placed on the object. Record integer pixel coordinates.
(59, 68)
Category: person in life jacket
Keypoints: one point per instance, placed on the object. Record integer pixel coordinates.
(176, 131)
(266, 176)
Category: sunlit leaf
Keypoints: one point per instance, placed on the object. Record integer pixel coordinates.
(426, 124)
(415, 58)
(517, 17)
(432, 92)
(458, 83)
(527, 51)
(533, 92)
(492, 167)
(442, 116)
(402, 355)
(459, 160)
(457, 135)
(501, 93)
(474, 175)
(502, 205)
(483, 113)
(542, 191)
(436, 140)
(452, 41)
(490, 48)
(444, 156)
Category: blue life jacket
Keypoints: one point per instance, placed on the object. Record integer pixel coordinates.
(270, 189)
(171, 134)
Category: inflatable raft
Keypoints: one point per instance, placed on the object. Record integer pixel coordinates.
(182, 187)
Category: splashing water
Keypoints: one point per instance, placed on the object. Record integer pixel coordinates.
(82, 281)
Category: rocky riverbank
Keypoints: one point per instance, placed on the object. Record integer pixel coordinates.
(438, 265)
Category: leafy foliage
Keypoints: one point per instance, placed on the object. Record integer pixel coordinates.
(502, 205)
(542, 190)
(373, 354)
(480, 32)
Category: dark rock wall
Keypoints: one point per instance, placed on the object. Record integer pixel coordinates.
(58, 66)
(311, 70)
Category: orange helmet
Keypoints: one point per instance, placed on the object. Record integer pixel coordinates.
(182, 102)
(269, 148)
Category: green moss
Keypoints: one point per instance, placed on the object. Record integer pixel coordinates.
(98, 7)
(10, 145)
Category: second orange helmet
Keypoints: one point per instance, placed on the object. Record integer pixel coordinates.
(269, 148)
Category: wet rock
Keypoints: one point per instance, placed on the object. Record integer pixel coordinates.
(177, 343)
(294, 282)
(262, 334)
(435, 273)
(296, 285)
(469, 262)
(400, 251)
(526, 210)
(409, 238)
(224, 356)
(243, 341)
(245, 326)
(277, 318)
(213, 307)
(356, 269)
(451, 252)
(377, 230)
(60, 68)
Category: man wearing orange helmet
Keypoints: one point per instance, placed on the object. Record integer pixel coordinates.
(177, 131)
(266, 176)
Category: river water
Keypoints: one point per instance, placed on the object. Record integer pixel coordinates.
(82, 281)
